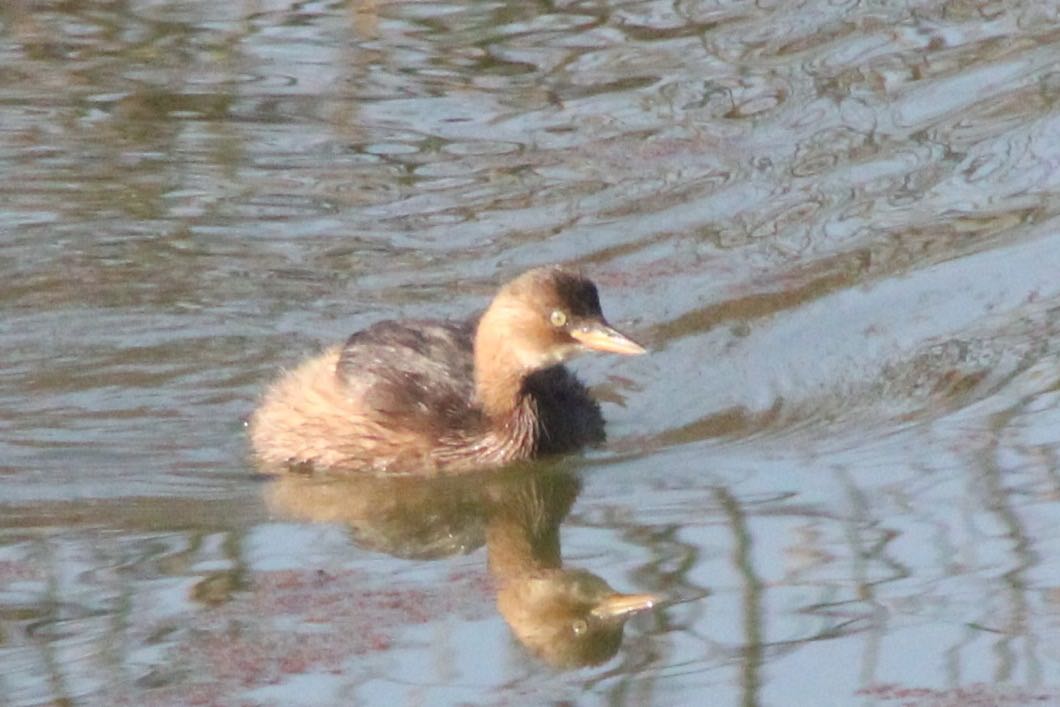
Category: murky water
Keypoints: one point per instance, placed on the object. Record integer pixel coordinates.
(834, 223)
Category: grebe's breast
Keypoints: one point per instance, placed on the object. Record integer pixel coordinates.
(568, 417)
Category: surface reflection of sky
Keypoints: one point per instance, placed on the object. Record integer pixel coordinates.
(834, 224)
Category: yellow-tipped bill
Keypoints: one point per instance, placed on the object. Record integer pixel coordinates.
(601, 337)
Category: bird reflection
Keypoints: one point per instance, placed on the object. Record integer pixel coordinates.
(565, 617)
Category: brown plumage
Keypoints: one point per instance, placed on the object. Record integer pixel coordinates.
(439, 397)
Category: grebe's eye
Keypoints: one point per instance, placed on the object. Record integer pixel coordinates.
(558, 317)
(579, 626)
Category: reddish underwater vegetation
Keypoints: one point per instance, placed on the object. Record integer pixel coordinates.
(289, 623)
(977, 695)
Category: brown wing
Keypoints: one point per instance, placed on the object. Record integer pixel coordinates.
(419, 372)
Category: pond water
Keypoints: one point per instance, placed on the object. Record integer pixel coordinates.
(833, 222)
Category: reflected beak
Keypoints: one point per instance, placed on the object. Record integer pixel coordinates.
(620, 606)
(598, 336)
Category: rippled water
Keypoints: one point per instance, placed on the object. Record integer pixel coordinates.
(834, 223)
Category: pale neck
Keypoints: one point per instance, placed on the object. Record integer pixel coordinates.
(499, 374)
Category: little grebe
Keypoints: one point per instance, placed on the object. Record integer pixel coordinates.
(441, 397)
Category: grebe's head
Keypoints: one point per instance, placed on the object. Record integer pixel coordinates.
(546, 316)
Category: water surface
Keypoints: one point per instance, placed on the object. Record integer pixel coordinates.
(834, 223)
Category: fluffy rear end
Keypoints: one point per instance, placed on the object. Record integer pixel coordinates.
(310, 416)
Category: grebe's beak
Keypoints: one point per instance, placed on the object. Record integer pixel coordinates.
(599, 336)
(619, 606)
